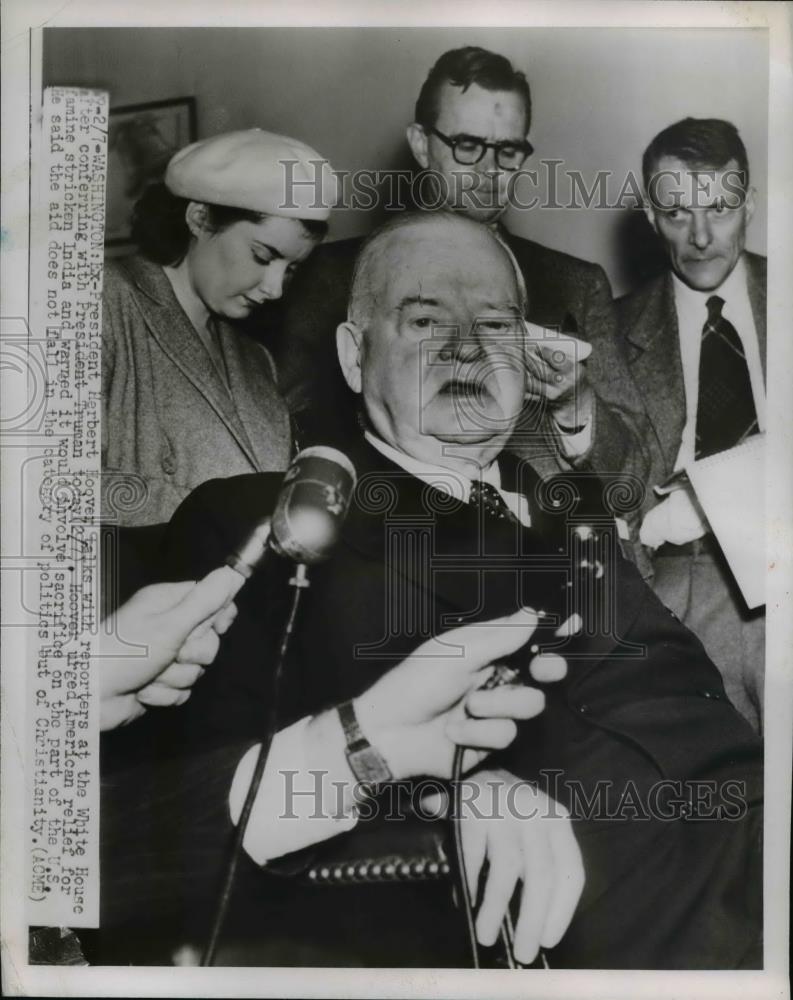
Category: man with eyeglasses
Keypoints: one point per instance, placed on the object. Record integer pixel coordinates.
(470, 136)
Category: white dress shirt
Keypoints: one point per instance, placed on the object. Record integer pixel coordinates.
(306, 793)
(678, 518)
(450, 481)
(692, 313)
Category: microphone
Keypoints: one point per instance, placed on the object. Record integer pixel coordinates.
(309, 512)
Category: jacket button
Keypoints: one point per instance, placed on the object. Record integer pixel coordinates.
(168, 464)
(711, 694)
(583, 709)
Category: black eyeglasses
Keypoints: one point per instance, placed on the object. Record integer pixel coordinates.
(470, 149)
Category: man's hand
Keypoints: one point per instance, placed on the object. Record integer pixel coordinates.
(525, 837)
(556, 372)
(178, 625)
(677, 519)
(419, 712)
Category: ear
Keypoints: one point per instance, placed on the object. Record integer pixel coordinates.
(749, 204)
(649, 211)
(349, 345)
(417, 140)
(197, 218)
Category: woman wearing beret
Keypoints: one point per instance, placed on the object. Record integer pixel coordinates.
(186, 396)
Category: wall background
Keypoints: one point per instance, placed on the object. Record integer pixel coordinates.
(599, 97)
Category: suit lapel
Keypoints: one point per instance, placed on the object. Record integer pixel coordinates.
(176, 337)
(545, 308)
(259, 413)
(654, 359)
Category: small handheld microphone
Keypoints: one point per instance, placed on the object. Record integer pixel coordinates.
(310, 510)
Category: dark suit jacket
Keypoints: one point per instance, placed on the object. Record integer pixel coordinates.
(564, 293)
(648, 328)
(641, 703)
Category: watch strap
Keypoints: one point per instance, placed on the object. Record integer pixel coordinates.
(366, 762)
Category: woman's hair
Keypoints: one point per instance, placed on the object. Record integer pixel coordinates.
(160, 229)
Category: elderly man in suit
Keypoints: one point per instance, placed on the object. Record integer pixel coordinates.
(472, 120)
(637, 739)
(695, 339)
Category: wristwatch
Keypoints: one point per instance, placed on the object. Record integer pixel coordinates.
(366, 763)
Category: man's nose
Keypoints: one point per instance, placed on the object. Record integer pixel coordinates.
(700, 234)
(462, 346)
(488, 165)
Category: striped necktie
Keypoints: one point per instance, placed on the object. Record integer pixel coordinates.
(726, 412)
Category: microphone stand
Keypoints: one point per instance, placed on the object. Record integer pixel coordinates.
(299, 581)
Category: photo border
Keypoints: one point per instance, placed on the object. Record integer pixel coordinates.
(22, 22)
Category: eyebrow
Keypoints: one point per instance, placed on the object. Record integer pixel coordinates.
(508, 306)
(678, 205)
(266, 246)
(411, 300)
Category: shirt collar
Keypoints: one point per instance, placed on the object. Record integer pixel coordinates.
(186, 296)
(446, 480)
(734, 285)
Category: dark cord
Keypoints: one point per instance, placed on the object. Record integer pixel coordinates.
(299, 582)
(462, 876)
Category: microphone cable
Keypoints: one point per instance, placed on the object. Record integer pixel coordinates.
(462, 875)
(299, 581)
(502, 676)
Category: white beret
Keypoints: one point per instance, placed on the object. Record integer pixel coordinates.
(256, 170)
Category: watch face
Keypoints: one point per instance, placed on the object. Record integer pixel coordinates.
(368, 766)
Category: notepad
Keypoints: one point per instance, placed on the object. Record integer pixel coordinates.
(730, 487)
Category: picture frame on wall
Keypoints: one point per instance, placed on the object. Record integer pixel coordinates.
(142, 139)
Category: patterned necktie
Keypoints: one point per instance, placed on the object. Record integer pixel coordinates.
(487, 497)
(725, 410)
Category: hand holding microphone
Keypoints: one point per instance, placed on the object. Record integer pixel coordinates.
(176, 629)
(179, 624)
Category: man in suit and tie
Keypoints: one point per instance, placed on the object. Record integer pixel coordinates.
(472, 120)
(447, 528)
(695, 339)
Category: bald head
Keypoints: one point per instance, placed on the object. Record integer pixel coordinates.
(384, 250)
(435, 339)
